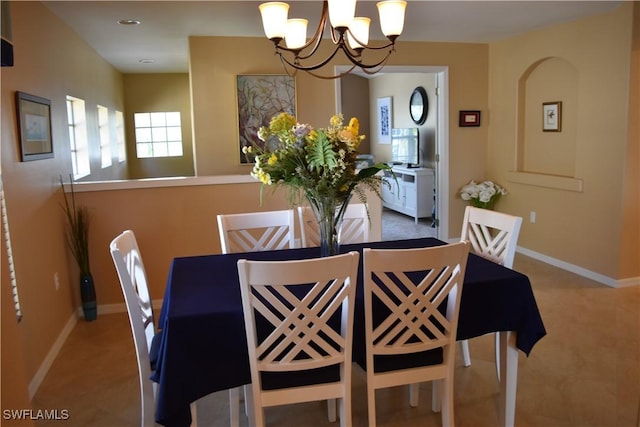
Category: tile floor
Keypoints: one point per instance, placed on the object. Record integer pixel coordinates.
(585, 372)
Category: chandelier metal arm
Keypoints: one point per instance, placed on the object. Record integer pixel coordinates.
(315, 40)
(296, 63)
(340, 42)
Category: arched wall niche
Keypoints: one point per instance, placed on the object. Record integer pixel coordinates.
(542, 157)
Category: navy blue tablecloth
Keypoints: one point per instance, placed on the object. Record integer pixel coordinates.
(203, 346)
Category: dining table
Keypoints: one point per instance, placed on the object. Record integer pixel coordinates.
(202, 344)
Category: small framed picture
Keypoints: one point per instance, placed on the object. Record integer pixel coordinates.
(34, 126)
(385, 114)
(552, 116)
(469, 118)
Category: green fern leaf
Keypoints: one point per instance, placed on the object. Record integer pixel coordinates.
(322, 154)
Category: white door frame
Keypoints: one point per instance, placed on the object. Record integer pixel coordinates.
(442, 132)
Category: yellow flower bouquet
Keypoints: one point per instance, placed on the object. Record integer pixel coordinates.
(317, 164)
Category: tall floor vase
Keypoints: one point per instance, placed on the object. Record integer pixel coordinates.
(88, 297)
(329, 212)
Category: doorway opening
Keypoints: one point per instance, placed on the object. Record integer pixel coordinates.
(439, 106)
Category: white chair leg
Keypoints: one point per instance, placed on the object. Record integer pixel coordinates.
(436, 396)
(254, 419)
(414, 391)
(497, 339)
(194, 414)
(371, 405)
(464, 346)
(234, 407)
(331, 410)
(247, 407)
(447, 401)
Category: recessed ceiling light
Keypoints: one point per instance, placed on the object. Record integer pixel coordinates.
(147, 61)
(129, 22)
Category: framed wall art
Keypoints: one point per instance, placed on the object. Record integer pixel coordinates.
(552, 116)
(34, 126)
(469, 118)
(385, 114)
(260, 98)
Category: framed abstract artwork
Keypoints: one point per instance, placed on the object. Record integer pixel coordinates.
(260, 98)
(385, 114)
(34, 126)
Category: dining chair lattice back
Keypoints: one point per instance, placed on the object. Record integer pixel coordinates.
(257, 231)
(299, 323)
(135, 288)
(412, 301)
(494, 236)
(355, 226)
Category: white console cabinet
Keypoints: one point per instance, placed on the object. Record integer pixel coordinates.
(412, 194)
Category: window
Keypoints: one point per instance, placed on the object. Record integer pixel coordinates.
(78, 141)
(158, 134)
(122, 147)
(105, 141)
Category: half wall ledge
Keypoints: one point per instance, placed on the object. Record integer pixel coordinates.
(548, 181)
(163, 182)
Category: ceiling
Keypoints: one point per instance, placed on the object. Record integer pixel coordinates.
(161, 40)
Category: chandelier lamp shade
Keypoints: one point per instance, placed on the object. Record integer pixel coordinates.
(349, 34)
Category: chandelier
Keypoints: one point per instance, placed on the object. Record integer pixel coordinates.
(349, 34)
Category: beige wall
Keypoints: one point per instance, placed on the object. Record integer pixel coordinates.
(13, 392)
(215, 62)
(354, 101)
(51, 62)
(399, 87)
(581, 228)
(630, 241)
(479, 78)
(168, 222)
(157, 93)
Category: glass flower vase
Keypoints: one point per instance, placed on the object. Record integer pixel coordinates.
(329, 213)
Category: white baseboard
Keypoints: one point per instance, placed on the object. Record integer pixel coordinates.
(117, 308)
(51, 356)
(580, 271)
(64, 334)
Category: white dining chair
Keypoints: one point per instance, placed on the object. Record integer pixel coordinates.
(257, 231)
(412, 301)
(494, 236)
(133, 281)
(299, 322)
(355, 226)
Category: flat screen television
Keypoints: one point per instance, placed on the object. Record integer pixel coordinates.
(405, 147)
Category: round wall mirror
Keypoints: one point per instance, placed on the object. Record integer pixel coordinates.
(419, 105)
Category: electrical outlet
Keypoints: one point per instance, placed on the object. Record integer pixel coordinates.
(56, 281)
(532, 217)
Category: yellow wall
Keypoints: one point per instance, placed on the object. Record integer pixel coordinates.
(50, 62)
(480, 77)
(13, 392)
(581, 228)
(630, 241)
(354, 97)
(168, 222)
(400, 87)
(156, 93)
(215, 62)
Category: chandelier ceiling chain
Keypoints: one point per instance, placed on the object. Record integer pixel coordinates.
(349, 34)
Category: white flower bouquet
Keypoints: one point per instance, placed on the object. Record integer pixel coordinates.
(482, 195)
